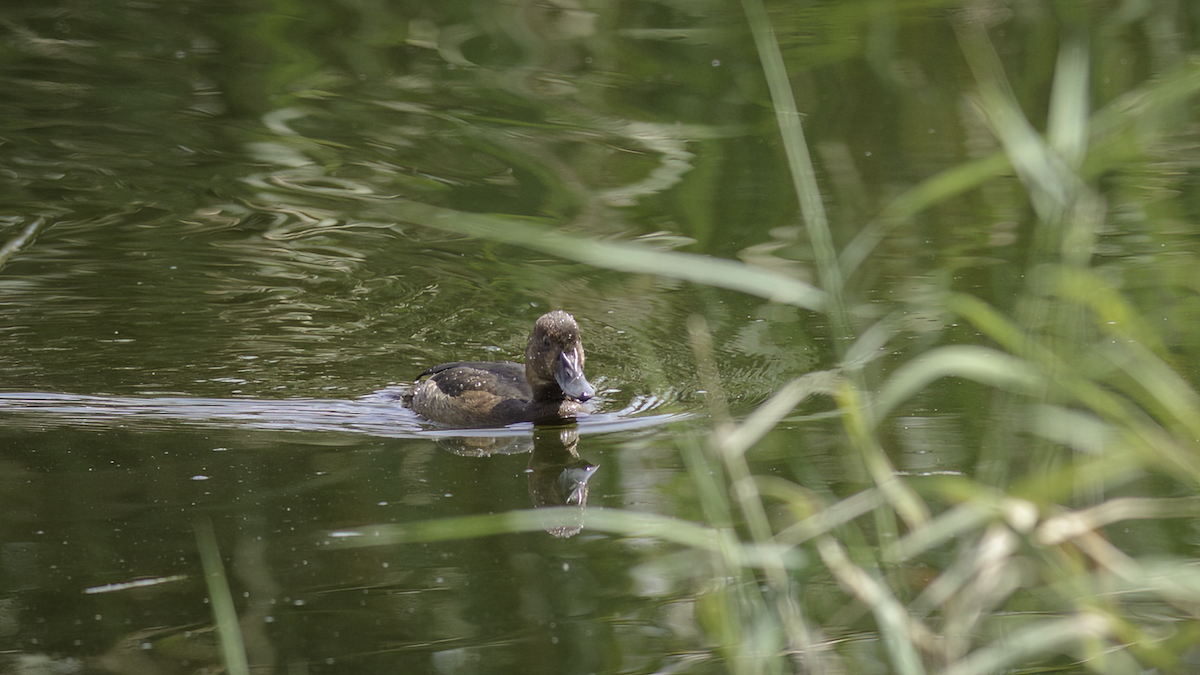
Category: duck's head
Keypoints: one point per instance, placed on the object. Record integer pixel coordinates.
(554, 359)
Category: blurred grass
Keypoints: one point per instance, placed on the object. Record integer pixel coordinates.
(1018, 571)
(622, 256)
(229, 631)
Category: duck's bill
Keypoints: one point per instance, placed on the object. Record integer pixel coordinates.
(568, 372)
(572, 483)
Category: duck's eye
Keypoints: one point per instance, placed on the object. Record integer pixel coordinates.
(545, 340)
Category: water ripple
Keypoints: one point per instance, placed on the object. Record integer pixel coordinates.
(374, 415)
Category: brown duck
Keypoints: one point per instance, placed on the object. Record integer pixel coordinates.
(549, 387)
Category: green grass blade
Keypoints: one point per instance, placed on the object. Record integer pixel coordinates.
(620, 256)
(804, 178)
(1024, 644)
(229, 631)
(1067, 127)
(901, 633)
(981, 364)
(616, 521)
(766, 416)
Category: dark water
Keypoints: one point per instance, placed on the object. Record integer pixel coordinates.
(217, 269)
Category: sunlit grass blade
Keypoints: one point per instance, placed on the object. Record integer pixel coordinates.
(1160, 388)
(729, 443)
(804, 178)
(1048, 179)
(990, 572)
(972, 585)
(1067, 126)
(1140, 111)
(981, 364)
(1029, 641)
(872, 343)
(1034, 360)
(996, 327)
(1114, 313)
(616, 521)
(1175, 580)
(764, 418)
(901, 633)
(988, 506)
(902, 500)
(830, 517)
(708, 477)
(229, 631)
(1080, 430)
(930, 192)
(1074, 523)
(1136, 351)
(620, 256)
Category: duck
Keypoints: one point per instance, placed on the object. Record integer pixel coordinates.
(550, 387)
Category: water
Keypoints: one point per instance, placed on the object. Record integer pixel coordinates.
(220, 271)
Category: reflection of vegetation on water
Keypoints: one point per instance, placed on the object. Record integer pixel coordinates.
(350, 244)
(1090, 424)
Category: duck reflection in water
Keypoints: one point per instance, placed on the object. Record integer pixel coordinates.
(549, 387)
(558, 476)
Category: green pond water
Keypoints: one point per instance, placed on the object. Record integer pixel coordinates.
(216, 259)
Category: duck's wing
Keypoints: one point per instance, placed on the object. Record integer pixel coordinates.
(443, 367)
(477, 394)
(503, 378)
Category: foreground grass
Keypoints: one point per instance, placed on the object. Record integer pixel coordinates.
(1024, 576)
(1032, 580)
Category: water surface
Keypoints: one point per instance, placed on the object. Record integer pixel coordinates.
(220, 265)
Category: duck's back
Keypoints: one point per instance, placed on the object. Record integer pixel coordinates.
(473, 394)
